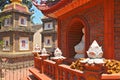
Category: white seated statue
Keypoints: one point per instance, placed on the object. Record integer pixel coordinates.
(80, 47)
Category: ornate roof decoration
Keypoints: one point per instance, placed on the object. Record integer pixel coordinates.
(49, 6)
(59, 8)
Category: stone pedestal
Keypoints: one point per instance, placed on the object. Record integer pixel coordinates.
(43, 57)
(36, 54)
(58, 61)
(93, 71)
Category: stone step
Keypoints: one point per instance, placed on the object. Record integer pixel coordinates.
(40, 76)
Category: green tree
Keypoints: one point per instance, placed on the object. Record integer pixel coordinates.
(3, 3)
(1, 43)
(31, 18)
(28, 3)
(4, 17)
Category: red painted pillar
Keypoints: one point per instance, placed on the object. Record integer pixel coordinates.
(109, 29)
(59, 34)
(43, 57)
(58, 62)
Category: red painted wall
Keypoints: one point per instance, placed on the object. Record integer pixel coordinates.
(101, 21)
(117, 29)
(91, 19)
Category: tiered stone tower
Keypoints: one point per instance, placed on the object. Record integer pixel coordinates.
(15, 30)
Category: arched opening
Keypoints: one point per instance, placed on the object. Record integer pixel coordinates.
(74, 36)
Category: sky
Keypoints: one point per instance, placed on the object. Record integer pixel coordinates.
(38, 15)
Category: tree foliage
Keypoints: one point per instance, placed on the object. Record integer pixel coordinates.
(3, 3)
(28, 3)
(1, 43)
(4, 17)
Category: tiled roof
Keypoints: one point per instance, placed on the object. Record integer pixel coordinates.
(16, 6)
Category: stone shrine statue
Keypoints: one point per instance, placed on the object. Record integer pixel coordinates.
(80, 47)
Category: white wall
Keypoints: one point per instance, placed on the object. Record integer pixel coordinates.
(37, 38)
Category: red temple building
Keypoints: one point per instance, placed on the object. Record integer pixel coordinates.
(101, 21)
(100, 18)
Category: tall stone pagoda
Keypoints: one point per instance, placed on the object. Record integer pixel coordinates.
(15, 29)
(49, 33)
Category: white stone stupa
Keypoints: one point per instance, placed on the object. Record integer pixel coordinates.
(95, 54)
(95, 51)
(44, 52)
(58, 54)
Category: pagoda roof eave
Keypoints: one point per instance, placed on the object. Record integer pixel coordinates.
(61, 7)
(47, 10)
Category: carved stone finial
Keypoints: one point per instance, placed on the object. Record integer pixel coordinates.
(57, 52)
